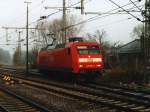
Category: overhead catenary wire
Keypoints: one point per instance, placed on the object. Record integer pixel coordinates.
(61, 10)
(90, 19)
(125, 10)
(87, 19)
(132, 9)
(68, 6)
(97, 17)
(55, 13)
(35, 7)
(111, 23)
(114, 22)
(135, 5)
(119, 11)
(51, 14)
(30, 10)
(48, 15)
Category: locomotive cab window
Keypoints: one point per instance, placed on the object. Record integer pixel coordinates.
(88, 49)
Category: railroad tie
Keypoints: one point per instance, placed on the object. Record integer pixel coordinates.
(139, 108)
(145, 110)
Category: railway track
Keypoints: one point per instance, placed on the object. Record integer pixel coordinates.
(142, 96)
(11, 102)
(113, 98)
(98, 97)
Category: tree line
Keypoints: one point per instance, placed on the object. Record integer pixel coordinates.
(5, 57)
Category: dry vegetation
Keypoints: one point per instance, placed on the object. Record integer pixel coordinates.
(125, 75)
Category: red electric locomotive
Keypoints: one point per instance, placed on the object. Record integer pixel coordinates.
(77, 57)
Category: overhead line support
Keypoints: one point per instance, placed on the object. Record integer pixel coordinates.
(64, 31)
(82, 6)
(27, 37)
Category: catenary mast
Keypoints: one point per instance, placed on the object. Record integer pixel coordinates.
(147, 34)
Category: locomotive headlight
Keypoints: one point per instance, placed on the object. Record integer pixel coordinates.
(80, 66)
(97, 59)
(82, 59)
(90, 60)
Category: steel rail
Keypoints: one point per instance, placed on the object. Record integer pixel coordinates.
(94, 93)
(33, 104)
(90, 96)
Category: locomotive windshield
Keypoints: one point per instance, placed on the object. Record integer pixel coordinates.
(88, 49)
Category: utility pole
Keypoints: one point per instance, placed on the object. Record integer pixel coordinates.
(147, 18)
(146, 37)
(64, 32)
(64, 18)
(27, 37)
(82, 7)
(7, 35)
(19, 46)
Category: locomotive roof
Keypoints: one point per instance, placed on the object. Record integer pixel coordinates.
(81, 43)
(69, 44)
(73, 39)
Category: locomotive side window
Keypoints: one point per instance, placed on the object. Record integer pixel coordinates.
(88, 49)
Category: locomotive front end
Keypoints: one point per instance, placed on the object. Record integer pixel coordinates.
(89, 59)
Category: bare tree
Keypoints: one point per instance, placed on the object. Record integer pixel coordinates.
(5, 57)
(16, 58)
(56, 26)
(98, 36)
(137, 31)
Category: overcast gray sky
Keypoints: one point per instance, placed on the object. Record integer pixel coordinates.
(118, 27)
